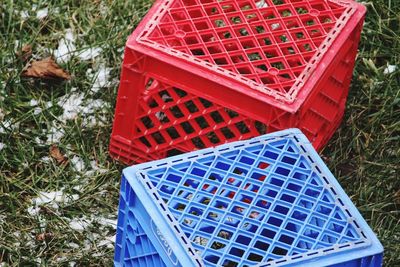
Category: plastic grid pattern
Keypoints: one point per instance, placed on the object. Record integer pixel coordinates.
(168, 114)
(168, 105)
(271, 45)
(268, 201)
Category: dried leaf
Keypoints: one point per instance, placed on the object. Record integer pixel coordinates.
(40, 237)
(25, 53)
(56, 154)
(45, 69)
(44, 236)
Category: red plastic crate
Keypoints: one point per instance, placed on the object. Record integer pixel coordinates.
(198, 73)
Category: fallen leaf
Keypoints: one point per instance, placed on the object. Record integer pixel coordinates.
(45, 69)
(25, 53)
(56, 154)
(44, 236)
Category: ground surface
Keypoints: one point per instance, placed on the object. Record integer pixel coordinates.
(57, 213)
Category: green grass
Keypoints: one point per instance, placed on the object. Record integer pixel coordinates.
(363, 154)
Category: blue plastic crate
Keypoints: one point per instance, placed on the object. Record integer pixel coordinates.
(269, 201)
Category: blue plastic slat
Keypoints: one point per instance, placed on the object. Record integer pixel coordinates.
(269, 201)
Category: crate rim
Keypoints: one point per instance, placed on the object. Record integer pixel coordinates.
(291, 103)
(132, 174)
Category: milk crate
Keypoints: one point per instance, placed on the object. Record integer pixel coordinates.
(199, 73)
(267, 201)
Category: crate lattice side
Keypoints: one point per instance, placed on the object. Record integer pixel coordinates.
(257, 204)
(265, 201)
(272, 45)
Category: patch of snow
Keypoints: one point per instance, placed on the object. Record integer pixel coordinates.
(24, 14)
(108, 241)
(389, 69)
(42, 13)
(104, 9)
(71, 105)
(100, 238)
(53, 199)
(275, 26)
(57, 196)
(66, 47)
(89, 109)
(2, 145)
(33, 102)
(78, 164)
(95, 120)
(54, 135)
(33, 211)
(42, 221)
(5, 126)
(261, 4)
(107, 222)
(73, 245)
(101, 78)
(166, 98)
(89, 53)
(87, 244)
(31, 244)
(48, 104)
(95, 169)
(19, 238)
(93, 236)
(8, 125)
(160, 115)
(37, 110)
(45, 159)
(93, 106)
(78, 188)
(78, 224)
(91, 121)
